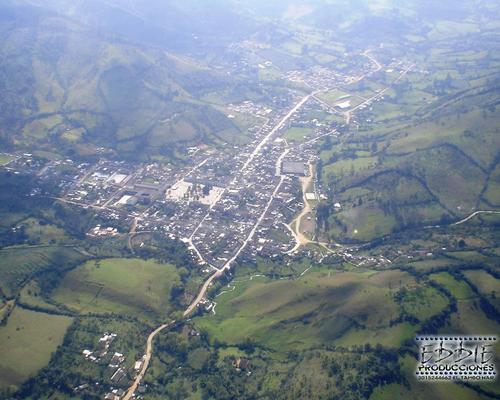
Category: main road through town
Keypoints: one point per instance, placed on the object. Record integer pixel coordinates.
(203, 289)
(255, 152)
(250, 158)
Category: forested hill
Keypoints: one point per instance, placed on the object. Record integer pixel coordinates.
(71, 88)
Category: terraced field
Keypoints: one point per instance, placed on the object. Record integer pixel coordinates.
(19, 265)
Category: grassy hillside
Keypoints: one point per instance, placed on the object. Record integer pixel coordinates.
(19, 265)
(321, 308)
(426, 154)
(333, 332)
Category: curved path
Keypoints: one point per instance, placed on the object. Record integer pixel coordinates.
(227, 265)
(463, 221)
(295, 237)
(202, 292)
(147, 360)
(295, 224)
(249, 160)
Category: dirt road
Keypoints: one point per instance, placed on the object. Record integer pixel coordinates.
(302, 239)
(147, 359)
(463, 221)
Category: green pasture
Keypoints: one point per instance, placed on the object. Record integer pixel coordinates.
(118, 285)
(43, 233)
(5, 158)
(459, 289)
(27, 342)
(297, 134)
(317, 308)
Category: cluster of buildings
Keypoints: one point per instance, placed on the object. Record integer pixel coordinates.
(100, 231)
(215, 203)
(223, 203)
(250, 108)
(102, 348)
(317, 77)
(116, 184)
(118, 375)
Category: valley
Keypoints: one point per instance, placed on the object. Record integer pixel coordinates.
(275, 213)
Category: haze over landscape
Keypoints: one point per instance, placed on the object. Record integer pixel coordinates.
(254, 199)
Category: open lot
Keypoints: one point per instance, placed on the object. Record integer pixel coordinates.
(5, 159)
(43, 233)
(297, 134)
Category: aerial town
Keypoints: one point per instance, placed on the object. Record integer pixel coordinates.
(249, 199)
(223, 204)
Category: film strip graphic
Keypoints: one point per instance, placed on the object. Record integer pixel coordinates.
(456, 357)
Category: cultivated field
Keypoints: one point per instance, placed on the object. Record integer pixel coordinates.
(17, 265)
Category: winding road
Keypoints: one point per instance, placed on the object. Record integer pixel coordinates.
(147, 360)
(463, 221)
(301, 239)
